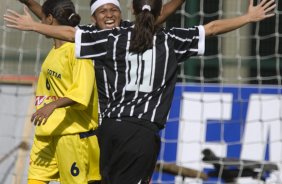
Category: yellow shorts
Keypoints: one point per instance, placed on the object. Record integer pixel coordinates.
(68, 159)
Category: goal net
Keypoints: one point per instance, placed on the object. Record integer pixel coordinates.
(225, 124)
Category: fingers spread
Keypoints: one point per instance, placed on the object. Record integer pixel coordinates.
(10, 19)
(12, 12)
(270, 9)
(262, 3)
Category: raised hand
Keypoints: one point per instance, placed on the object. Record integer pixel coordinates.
(15, 20)
(262, 11)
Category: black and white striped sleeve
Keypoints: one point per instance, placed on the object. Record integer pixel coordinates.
(188, 42)
(90, 44)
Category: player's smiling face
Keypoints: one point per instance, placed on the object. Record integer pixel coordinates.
(107, 16)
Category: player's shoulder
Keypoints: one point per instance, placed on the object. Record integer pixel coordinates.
(68, 46)
(126, 24)
(87, 27)
(176, 32)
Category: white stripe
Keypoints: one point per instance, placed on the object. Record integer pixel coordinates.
(146, 107)
(115, 65)
(153, 76)
(153, 73)
(163, 82)
(139, 75)
(121, 110)
(138, 82)
(92, 55)
(184, 51)
(201, 44)
(116, 71)
(154, 58)
(147, 104)
(126, 71)
(179, 28)
(106, 88)
(106, 83)
(132, 110)
(179, 38)
(194, 50)
(166, 61)
(94, 43)
(78, 43)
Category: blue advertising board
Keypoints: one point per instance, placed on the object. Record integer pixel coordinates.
(242, 122)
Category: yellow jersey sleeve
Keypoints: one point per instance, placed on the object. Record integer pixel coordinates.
(83, 82)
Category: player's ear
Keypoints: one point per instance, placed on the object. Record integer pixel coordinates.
(49, 19)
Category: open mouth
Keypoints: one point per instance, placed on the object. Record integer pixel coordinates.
(110, 23)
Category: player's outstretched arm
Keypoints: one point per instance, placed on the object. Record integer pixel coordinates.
(168, 9)
(34, 6)
(26, 23)
(255, 13)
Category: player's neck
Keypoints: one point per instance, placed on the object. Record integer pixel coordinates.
(58, 43)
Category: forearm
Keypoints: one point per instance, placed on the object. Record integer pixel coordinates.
(62, 102)
(42, 114)
(255, 13)
(34, 6)
(66, 33)
(225, 25)
(168, 9)
(26, 23)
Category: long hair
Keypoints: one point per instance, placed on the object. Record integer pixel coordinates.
(146, 12)
(63, 11)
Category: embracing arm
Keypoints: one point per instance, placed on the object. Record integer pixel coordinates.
(34, 6)
(255, 13)
(168, 9)
(26, 23)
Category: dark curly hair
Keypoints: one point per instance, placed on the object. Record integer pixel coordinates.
(63, 11)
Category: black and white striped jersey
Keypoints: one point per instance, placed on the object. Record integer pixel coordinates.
(138, 85)
(99, 68)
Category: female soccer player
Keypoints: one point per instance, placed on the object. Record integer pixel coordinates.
(139, 63)
(65, 147)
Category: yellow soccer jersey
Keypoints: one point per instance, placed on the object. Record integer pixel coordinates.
(63, 75)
